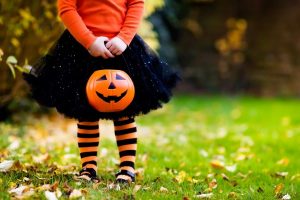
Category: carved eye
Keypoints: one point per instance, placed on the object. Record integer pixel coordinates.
(118, 77)
(102, 78)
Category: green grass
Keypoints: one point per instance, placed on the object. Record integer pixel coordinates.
(177, 148)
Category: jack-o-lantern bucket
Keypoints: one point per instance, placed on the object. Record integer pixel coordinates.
(110, 90)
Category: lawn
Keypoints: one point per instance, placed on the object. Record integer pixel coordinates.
(196, 147)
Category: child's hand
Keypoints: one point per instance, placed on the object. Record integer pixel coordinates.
(116, 46)
(98, 48)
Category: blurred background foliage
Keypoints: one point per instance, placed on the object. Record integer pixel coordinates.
(219, 46)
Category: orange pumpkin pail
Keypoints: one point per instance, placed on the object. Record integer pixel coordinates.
(110, 90)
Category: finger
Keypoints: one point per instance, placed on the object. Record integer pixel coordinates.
(104, 56)
(115, 51)
(112, 49)
(108, 54)
(118, 53)
(108, 44)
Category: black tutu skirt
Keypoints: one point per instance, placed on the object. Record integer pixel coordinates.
(60, 78)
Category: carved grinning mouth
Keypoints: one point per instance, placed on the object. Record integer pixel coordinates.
(111, 98)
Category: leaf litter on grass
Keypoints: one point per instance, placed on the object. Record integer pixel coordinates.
(226, 164)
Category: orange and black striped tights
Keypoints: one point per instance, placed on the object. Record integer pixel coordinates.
(126, 135)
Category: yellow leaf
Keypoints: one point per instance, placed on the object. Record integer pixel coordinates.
(181, 176)
(15, 42)
(49, 14)
(283, 161)
(217, 164)
(1, 54)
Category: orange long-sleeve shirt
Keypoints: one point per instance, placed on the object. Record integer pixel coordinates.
(87, 19)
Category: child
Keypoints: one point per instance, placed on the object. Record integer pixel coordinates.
(101, 35)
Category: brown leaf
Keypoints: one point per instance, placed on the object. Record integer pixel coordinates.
(54, 186)
(67, 189)
(278, 188)
(213, 184)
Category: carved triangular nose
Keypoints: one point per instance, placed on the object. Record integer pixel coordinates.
(112, 86)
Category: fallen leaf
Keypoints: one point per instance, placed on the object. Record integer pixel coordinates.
(217, 164)
(6, 165)
(231, 168)
(54, 186)
(181, 177)
(278, 188)
(204, 196)
(296, 176)
(50, 195)
(41, 158)
(75, 194)
(44, 187)
(14, 145)
(25, 179)
(281, 174)
(136, 188)
(163, 189)
(232, 195)
(203, 153)
(67, 189)
(283, 161)
(58, 193)
(225, 177)
(213, 184)
(240, 157)
(286, 197)
(19, 190)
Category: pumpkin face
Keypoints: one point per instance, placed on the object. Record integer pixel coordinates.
(109, 90)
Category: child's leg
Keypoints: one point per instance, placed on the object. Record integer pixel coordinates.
(88, 141)
(126, 135)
